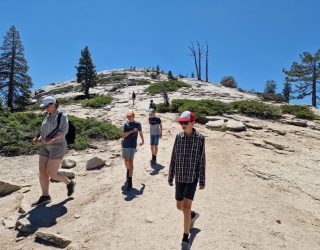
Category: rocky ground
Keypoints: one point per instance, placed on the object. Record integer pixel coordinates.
(262, 191)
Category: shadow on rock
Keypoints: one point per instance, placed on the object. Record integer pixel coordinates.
(42, 216)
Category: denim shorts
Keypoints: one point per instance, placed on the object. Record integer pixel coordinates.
(128, 153)
(154, 139)
(54, 151)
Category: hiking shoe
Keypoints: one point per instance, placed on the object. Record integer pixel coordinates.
(42, 200)
(129, 184)
(194, 217)
(71, 187)
(185, 245)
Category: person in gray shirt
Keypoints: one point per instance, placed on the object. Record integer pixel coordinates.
(155, 134)
(53, 148)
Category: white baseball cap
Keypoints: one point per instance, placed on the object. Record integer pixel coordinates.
(48, 100)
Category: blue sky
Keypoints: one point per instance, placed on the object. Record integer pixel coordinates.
(252, 40)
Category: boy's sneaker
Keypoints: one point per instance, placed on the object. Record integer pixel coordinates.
(185, 245)
(70, 187)
(42, 200)
(194, 217)
(129, 184)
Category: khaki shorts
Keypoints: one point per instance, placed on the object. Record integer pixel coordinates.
(54, 151)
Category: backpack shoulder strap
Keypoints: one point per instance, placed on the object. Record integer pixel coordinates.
(57, 128)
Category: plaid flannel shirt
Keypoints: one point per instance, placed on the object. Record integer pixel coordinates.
(188, 160)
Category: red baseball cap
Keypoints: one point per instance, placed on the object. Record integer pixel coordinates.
(187, 116)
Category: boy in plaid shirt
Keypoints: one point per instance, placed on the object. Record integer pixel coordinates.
(187, 166)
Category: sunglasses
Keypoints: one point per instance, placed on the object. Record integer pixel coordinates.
(47, 106)
(184, 123)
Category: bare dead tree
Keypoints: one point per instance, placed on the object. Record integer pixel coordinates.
(200, 53)
(207, 60)
(194, 55)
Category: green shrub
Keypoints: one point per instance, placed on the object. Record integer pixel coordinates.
(162, 108)
(143, 82)
(272, 97)
(300, 111)
(32, 107)
(228, 81)
(170, 86)
(256, 108)
(97, 102)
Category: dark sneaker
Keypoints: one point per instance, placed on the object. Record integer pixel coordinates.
(185, 245)
(71, 187)
(42, 200)
(129, 184)
(194, 217)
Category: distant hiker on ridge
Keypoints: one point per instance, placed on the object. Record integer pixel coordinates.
(53, 148)
(152, 105)
(133, 97)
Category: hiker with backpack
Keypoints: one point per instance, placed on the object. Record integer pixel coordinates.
(152, 105)
(133, 97)
(187, 166)
(52, 137)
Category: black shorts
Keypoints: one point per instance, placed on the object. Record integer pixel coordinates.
(185, 190)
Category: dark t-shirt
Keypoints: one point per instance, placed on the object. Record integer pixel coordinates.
(152, 105)
(131, 140)
(154, 125)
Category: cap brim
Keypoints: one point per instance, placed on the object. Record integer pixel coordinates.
(183, 120)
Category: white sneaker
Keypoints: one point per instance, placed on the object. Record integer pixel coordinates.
(193, 220)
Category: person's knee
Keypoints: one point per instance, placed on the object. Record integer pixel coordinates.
(186, 207)
(51, 173)
(179, 206)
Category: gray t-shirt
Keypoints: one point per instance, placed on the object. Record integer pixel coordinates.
(50, 122)
(154, 125)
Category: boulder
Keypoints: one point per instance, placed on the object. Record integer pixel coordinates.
(67, 163)
(94, 163)
(7, 188)
(235, 126)
(53, 238)
(215, 124)
(253, 125)
(216, 118)
(296, 122)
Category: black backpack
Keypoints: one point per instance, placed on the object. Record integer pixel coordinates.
(70, 136)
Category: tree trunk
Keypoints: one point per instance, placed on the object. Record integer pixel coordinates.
(314, 86)
(207, 66)
(11, 76)
(194, 54)
(199, 61)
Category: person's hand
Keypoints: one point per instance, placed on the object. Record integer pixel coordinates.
(161, 136)
(36, 140)
(48, 140)
(141, 143)
(170, 183)
(201, 187)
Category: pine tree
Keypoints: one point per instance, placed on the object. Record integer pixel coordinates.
(270, 87)
(307, 76)
(287, 90)
(86, 73)
(170, 75)
(15, 83)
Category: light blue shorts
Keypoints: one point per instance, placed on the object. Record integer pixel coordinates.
(154, 139)
(128, 153)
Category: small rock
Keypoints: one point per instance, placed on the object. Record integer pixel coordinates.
(95, 162)
(24, 226)
(7, 188)
(67, 173)
(148, 220)
(20, 238)
(53, 238)
(299, 123)
(278, 221)
(25, 190)
(24, 207)
(77, 216)
(10, 222)
(235, 126)
(67, 163)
